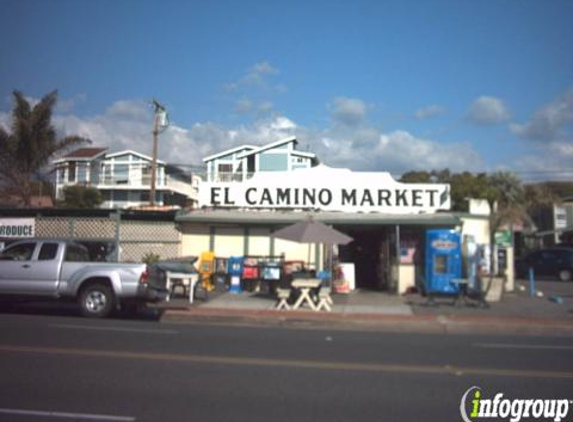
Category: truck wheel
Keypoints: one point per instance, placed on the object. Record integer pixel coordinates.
(96, 301)
(565, 275)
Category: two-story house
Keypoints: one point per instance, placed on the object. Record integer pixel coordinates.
(124, 178)
(240, 163)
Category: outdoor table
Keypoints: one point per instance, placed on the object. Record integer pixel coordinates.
(187, 280)
(305, 286)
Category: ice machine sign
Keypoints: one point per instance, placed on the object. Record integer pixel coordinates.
(443, 245)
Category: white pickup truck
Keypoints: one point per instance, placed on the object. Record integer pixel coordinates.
(60, 269)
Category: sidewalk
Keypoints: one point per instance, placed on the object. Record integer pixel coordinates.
(517, 313)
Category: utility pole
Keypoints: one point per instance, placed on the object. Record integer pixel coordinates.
(159, 124)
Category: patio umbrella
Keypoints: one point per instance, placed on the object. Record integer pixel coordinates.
(310, 231)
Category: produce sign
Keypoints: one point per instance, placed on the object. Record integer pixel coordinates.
(17, 227)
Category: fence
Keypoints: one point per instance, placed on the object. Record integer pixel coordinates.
(115, 238)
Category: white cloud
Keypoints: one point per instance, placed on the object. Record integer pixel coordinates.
(488, 111)
(397, 152)
(252, 92)
(266, 106)
(548, 123)
(130, 109)
(282, 124)
(263, 68)
(247, 106)
(348, 111)
(243, 106)
(429, 111)
(550, 128)
(128, 124)
(65, 105)
(547, 162)
(257, 77)
(348, 142)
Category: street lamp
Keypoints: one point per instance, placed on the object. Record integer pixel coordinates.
(160, 123)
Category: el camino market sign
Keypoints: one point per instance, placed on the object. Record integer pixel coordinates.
(17, 227)
(327, 189)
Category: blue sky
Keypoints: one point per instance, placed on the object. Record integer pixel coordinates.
(370, 85)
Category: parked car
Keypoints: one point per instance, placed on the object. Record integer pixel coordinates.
(59, 269)
(551, 262)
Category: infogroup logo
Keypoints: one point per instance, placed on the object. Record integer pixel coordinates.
(475, 406)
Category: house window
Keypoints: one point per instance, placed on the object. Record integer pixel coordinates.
(121, 174)
(82, 172)
(225, 168)
(120, 196)
(146, 175)
(61, 175)
(72, 171)
(225, 172)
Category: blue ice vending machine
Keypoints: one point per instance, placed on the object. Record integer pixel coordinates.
(443, 261)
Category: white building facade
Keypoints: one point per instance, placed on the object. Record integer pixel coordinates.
(241, 163)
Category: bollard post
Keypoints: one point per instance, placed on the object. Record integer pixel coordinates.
(531, 282)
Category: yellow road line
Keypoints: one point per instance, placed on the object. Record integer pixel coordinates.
(288, 363)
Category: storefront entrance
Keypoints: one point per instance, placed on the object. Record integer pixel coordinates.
(371, 253)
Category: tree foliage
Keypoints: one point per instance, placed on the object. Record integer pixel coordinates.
(540, 197)
(463, 185)
(81, 197)
(31, 145)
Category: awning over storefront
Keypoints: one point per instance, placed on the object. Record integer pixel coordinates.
(263, 218)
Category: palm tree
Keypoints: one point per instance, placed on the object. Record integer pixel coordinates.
(505, 196)
(31, 145)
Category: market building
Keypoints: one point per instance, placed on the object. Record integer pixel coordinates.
(249, 192)
(387, 220)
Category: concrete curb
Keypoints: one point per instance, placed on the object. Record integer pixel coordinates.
(445, 324)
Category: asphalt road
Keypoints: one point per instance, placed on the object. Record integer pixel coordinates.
(62, 368)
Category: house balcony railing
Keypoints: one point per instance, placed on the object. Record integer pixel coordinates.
(144, 183)
(168, 182)
(123, 181)
(230, 177)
